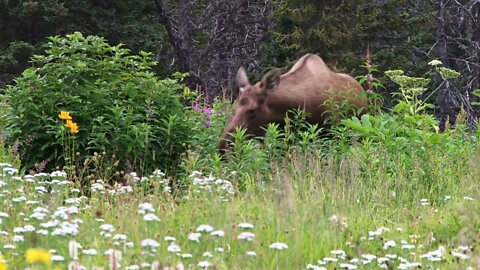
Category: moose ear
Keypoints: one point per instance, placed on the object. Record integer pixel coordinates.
(242, 79)
(271, 80)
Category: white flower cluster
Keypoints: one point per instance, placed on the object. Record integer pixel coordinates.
(210, 184)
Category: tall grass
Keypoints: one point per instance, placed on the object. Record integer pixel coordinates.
(314, 203)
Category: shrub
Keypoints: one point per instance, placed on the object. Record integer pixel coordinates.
(409, 136)
(120, 106)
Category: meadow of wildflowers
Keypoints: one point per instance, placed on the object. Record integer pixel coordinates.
(299, 220)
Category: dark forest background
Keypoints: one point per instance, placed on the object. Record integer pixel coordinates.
(210, 39)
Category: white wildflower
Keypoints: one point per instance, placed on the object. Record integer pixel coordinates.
(388, 244)
(107, 227)
(329, 259)
(408, 265)
(348, 266)
(314, 267)
(173, 248)
(248, 236)
(460, 255)
(218, 233)
(204, 228)
(119, 237)
(145, 207)
(150, 217)
(408, 246)
(369, 257)
(382, 260)
(42, 232)
(245, 225)
(194, 237)
(58, 258)
(91, 252)
(339, 253)
(278, 246)
(186, 255)
(18, 238)
(207, 254)
(169, 238)
(204, 264)
(150, 243)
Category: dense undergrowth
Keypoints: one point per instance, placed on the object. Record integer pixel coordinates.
(384, 191)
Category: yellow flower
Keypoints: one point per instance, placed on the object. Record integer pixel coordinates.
(38, 255)
(69, 124)
(3, 263)
(64, 115)
(74, 128)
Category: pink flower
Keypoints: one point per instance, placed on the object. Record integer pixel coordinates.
(369, 78)
(195, 107)
(207, 111)
(207, 123)
(370, 91)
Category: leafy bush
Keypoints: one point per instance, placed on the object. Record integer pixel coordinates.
(409, 137)
(121, 108)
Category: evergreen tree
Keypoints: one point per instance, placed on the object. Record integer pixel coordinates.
(341, 31)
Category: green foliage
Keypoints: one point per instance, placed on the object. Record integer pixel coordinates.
(8, 155)
(409, 136)
(249, 158)
(341, 31)
(208, 122)
(403, 143)
(410, 91)
(118, 102)
(28, 23)
(476, 92)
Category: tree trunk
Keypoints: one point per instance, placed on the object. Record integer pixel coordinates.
(180, 44)
(443, 98)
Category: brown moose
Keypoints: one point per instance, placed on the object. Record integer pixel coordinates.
(308, 85)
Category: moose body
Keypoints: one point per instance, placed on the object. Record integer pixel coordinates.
(308, 85)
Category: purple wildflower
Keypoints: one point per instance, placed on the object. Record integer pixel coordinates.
(195, 107)
(207, 111)
(207, 123)
(42, 166)
(15, 147)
